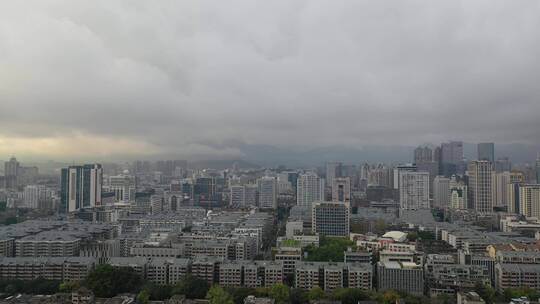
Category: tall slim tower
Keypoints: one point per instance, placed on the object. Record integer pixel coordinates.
(441, 191)
(480, 183)
(333, 170)
(267, 192)
(11, 173)
(451, 157)
(309, 189)
(538, 168)
(512, 192)
(413, 190)
(341, 189)
(423, 154)
(402, 168)
(81, 187)
(486, 151)
(529, 200)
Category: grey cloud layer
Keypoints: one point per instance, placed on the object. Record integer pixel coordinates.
(295, 74)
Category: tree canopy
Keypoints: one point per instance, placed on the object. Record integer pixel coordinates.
(315, 293)
(218, 295)
(191, 287)
(280, 293)
(107, 281)
(331, 249)
(530, 293)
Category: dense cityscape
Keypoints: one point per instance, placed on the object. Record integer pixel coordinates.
(438, 229)
(270, 152)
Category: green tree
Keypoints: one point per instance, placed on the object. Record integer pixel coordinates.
(107, 281)
(426, 235)
(218, 295)
(315, 293)
(191, 287)
(486, 292)
(530, 293)
(348, 295)
(143, 297)
(40, 286)
(158, 292)
(298, 296)
(331, 249)
(239, 294)
(280, 293)
(412, 236)
(389, 296)
(262, 292)
(67, 287)
(37, 286)
(10, 220)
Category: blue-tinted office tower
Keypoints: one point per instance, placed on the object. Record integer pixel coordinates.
(486, 151)
(80, 187)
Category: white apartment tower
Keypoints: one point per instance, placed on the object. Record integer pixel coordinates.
(529, 200)
(31, 196)
(309, 189)
(413, 190)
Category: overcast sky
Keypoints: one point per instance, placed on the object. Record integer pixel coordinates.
(122, 78)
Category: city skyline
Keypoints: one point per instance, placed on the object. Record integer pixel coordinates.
(270, 152)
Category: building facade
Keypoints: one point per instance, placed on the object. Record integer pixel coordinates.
(414, 190)
(81, 187)
(309, 189)
(331, 218)
(480, 183)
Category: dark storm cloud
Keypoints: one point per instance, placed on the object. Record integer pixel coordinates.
(188, 76)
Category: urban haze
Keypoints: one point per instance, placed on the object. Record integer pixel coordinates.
(270, 152)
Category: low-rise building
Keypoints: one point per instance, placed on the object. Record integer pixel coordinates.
(360, 275)
(206, 268)
(351, 256)
(166, 271)
(517, 275)
(251, 274)
(289, 256)
(330, 276)
(51, 268)
(48, 244)
(307, 275)
(450, 278)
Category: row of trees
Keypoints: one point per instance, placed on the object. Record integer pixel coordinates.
(37, 286)
(283, 294)
(107, 281)
(330, 249)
